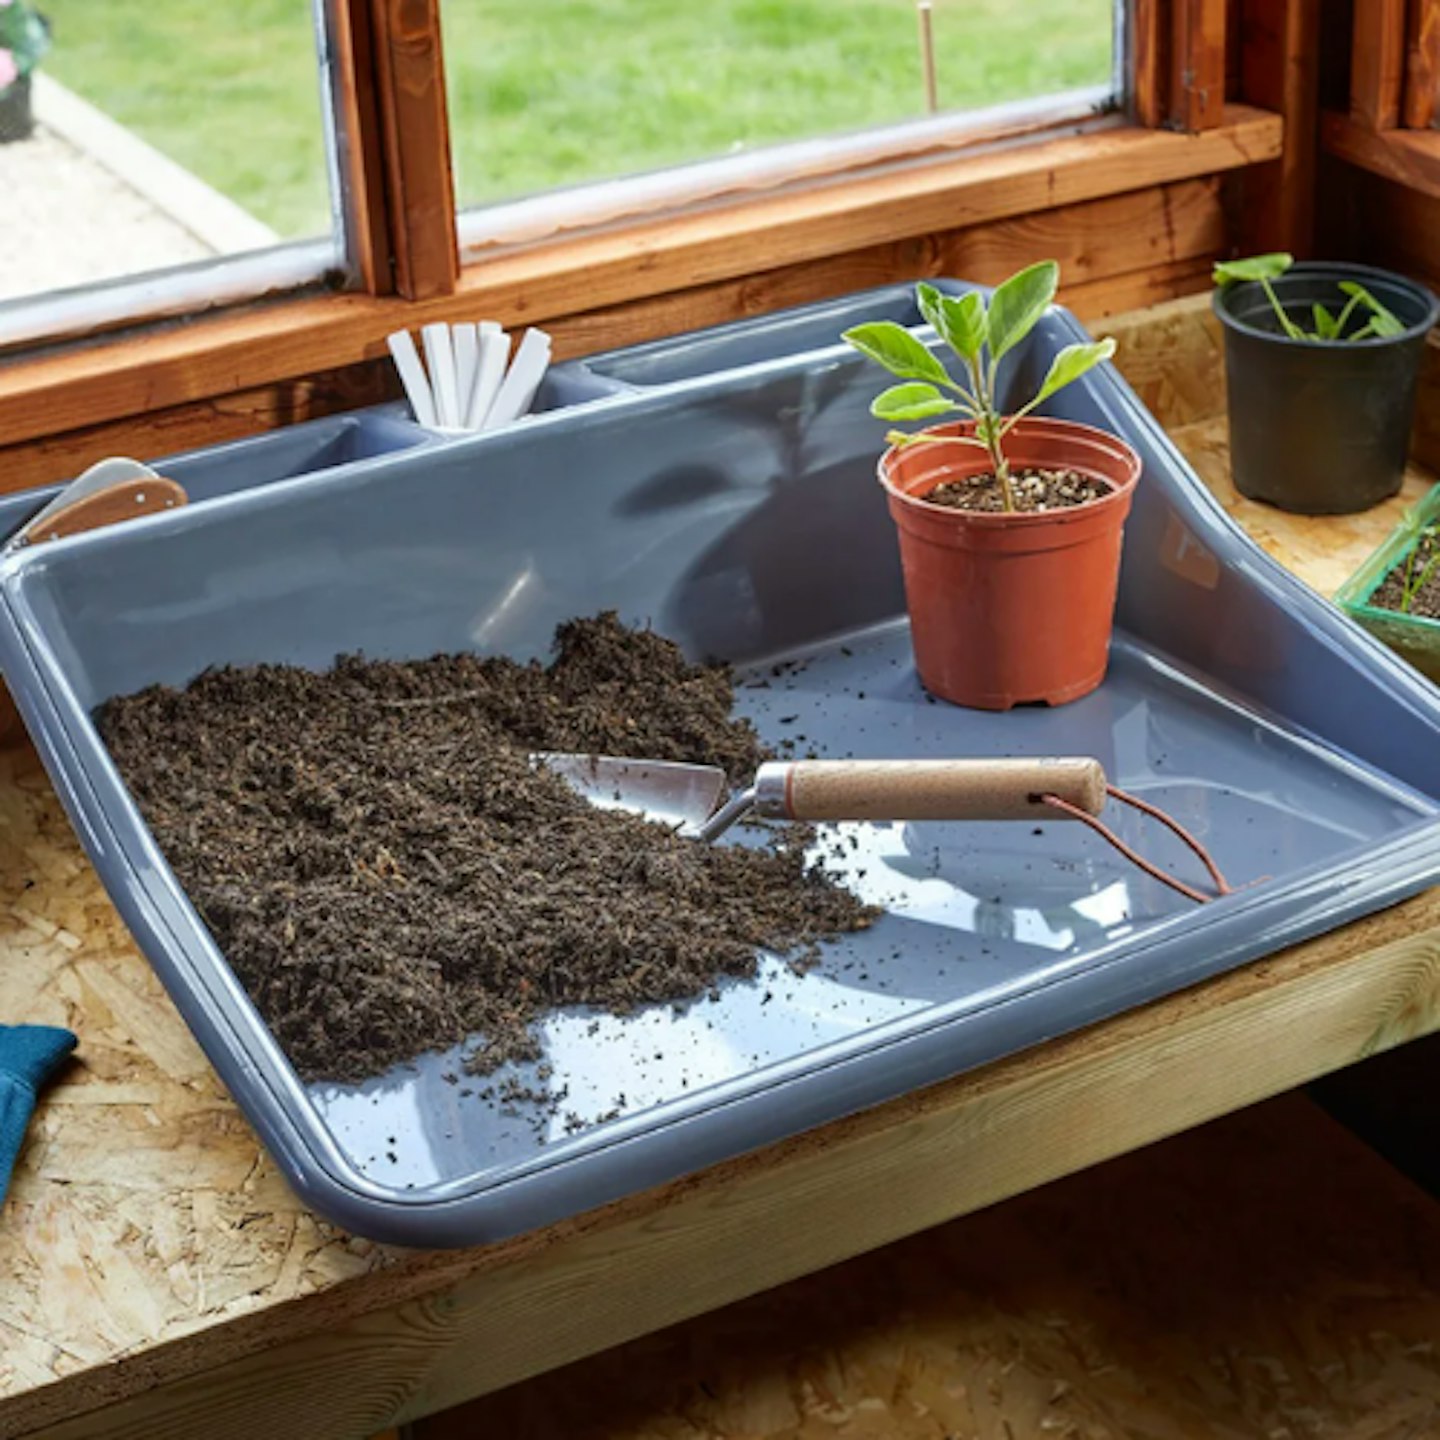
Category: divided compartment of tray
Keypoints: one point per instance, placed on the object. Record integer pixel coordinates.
(337, 441)
(739, 513)
(333, 443)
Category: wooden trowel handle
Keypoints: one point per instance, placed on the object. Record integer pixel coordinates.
(124, 500)
(927, 789)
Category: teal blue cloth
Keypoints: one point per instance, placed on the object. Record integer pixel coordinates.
(29, 1056)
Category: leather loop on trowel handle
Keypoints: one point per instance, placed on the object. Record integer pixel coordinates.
(927, 789)
(124, 500)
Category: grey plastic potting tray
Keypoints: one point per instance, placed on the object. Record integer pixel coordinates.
(726, 495)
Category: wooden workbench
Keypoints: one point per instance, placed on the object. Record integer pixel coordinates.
(1267, 1275)
(158, 1280)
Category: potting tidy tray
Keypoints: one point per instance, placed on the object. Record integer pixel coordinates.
(729, 500)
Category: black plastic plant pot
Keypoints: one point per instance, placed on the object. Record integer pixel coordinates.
(1321, 427)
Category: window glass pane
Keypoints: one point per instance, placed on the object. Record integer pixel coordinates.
(553, 94)
(166, 131)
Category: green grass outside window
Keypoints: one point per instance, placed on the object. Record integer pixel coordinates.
(547, 93)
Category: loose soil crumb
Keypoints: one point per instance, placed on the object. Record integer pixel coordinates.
(1390, 593)
(388, 874)
(1033, 490)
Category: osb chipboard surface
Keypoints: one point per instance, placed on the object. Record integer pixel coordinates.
(143, 1206)
(1173, 355)
(1324, 549)
(1266, 1275)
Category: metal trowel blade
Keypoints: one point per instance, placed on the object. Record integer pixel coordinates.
(681, 796)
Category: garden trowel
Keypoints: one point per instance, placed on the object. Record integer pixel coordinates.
(689, 797)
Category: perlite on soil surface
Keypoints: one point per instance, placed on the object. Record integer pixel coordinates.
(1032, 490)
(387, 873)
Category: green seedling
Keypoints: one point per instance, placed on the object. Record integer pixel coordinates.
(980, 336)
(1329, 325)
(1413, 580)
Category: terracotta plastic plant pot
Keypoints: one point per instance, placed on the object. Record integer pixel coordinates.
(1011, 608)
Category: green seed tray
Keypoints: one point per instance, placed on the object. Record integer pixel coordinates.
(1413, 637)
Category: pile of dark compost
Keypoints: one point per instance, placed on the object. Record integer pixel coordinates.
(387, 872)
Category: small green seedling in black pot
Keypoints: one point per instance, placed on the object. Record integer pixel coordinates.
(1329, 325)
(1322, 367)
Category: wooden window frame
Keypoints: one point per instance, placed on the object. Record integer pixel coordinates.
(1394, 95)
(1178, 52)
(1395, 64)
(551, 217)
(280, 359)
(1422, 65)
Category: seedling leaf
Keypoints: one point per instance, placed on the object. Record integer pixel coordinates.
(1327, 326)
(1070, 364)
(959, 320)
(895, 348)
(1411, 585)
(915, 401)
(903, 438)
(1018, 304)
(1382, 321)
(1256, 267)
